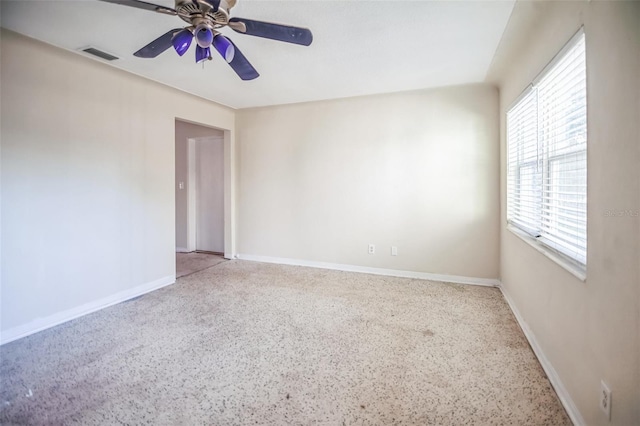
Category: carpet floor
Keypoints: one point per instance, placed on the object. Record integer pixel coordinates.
(188, 263)
(249, 343)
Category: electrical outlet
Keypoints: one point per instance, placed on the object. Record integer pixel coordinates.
(394, 251)
(605, 399)
(372, 249)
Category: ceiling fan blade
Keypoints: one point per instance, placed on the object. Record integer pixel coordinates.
(144, 5)
(241, 65)
(158, 45)
(273, 31)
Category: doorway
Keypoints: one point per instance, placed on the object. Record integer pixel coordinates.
(201, 179)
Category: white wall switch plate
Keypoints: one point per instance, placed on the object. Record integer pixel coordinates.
(394, 251)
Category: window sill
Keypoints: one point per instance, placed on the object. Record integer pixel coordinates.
(566, 264)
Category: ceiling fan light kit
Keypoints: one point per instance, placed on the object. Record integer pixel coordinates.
(181, 41)
(224, 47)
(202, 54)
(204, 35)
(205, 19)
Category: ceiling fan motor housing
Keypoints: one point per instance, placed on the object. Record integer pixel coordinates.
(191, 11)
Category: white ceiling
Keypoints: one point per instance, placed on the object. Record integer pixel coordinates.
(359, 48)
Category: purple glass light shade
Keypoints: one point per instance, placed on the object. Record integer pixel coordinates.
(202, 54)
(224, 47)
(204, 35)
(181, 41)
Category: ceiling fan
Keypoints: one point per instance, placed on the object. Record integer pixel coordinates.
(205, 19)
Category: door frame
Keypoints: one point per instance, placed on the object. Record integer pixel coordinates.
(191, 194)
(229, 191)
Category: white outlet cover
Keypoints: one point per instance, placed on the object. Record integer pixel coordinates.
(605, 399)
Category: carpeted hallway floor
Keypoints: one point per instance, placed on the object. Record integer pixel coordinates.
(248, 343)
(188, 263)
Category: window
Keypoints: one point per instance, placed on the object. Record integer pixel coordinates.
(547, 156)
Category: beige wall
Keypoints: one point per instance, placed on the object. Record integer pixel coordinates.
(87, 179)
(418, 170)
(185, 131)
(589, 331)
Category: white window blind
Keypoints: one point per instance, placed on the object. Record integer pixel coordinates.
(547, 155)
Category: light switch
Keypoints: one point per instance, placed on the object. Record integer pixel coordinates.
(181, 185)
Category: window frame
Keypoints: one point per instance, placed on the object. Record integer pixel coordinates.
(536, 237)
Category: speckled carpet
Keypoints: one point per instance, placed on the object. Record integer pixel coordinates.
(246, 343)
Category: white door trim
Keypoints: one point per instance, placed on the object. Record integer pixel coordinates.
(229, 196)
(191, 194)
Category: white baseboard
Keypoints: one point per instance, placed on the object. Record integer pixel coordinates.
(40, 324)
(563, 394)
(490, 282)
(182, 250)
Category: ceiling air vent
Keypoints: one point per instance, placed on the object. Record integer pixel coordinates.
(99, 53)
